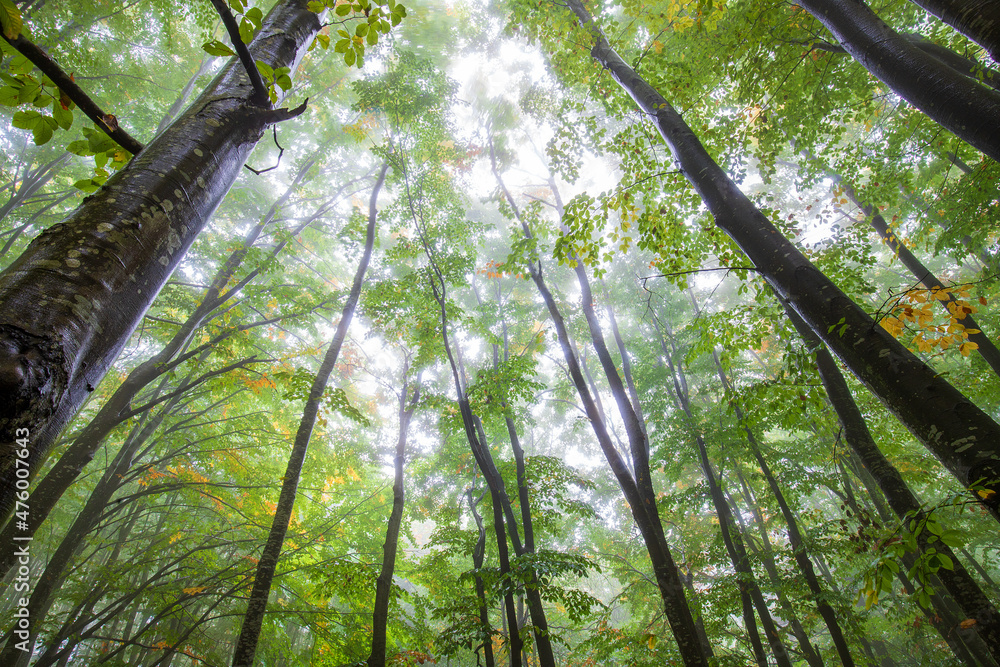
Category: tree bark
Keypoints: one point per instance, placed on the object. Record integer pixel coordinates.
(70, 302)
(979, 20)
(955, 102)
(246, 644)
(963, 437)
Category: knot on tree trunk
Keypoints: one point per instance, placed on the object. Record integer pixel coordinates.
(26, 382)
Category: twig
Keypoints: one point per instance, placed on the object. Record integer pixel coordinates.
(683, 273)
(105, 121)
(281, 151)
(260, 97)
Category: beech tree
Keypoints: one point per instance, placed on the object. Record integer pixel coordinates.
(500, 216)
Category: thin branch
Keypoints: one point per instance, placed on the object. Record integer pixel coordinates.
(260, 97)
(105, 121)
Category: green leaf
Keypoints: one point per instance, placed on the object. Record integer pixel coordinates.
(952, 538)
(8, 96)
(255, 16)
(10, 19)
(361, 30)
(246, 30)
(80, 147)
(343, 9)
(349, 58)
(316, 7)
(342, 46)
(26, 120)
(62, 116)
(265, 70)
(43, 131)
(20, 65)
(372, 38)
(217, 48)
(89, 184)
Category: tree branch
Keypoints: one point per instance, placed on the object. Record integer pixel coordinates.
(105, 121)
(260, 97)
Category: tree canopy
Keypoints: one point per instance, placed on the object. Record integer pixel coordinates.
(355, 332)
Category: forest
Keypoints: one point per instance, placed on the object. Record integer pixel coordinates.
(508, 332)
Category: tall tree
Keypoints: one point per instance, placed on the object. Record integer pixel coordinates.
(69, 303)
(959, 434)
(267, 564)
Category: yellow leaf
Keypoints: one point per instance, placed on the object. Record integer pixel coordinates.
(651, 642)
(967, 347)
(193, 590)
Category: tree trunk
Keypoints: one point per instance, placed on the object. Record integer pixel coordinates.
(478, 557)
(979, 20)
(958, 582)
(954, 101)
(498, 495)
(987, 349)
(794, 535)
(246, 644)
(766, 557)
(694, 651)
(731, 536)
(963, 437)
(383, 585)
(70, 302)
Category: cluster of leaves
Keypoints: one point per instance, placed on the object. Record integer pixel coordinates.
(108, 156)
(927, 559)
(915, 309)
(379, 16)
(298, 384)
(23, 89)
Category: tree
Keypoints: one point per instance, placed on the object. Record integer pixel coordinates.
(530, 270)
(72, 299)
(955, 429)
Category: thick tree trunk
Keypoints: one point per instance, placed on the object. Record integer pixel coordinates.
(966, 66)
(979, 20)
(70, 302)
(958, 582)
(383, 586)
(246, 644)
(954, 101)
(118, 409)
(963, 437)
